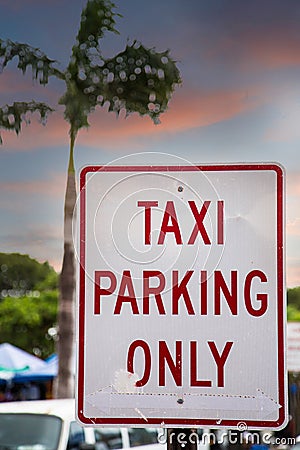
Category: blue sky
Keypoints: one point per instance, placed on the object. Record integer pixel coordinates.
(239, 102)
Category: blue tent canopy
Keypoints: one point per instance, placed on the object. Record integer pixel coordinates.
(19, 366)
(44, 374)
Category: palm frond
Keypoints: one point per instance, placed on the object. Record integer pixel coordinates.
(12, 116)
(42, 67)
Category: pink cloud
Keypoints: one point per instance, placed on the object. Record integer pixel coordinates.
(274, 48)
(293, 196)
(53, 186)
(254, 48)
(34, 240)
(37, 136)
(293, 227)
(293, 184)
(56, 264)
(188, 109)
(14, 83)
(293, 273)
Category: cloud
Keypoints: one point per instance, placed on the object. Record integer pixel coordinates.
(293, 184)
(293, 272)
(11, 83)
(254, 35)
(14, 84)
(44, 244)
(293, 217)
(53, 187)
(293, 201)
(37, 136)
(293, 228)
(260, 48)
(189, 109)
(285, 126)
(275, 49)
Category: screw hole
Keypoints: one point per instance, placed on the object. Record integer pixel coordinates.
(180, 188)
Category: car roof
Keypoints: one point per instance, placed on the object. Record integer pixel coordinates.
(64, 408)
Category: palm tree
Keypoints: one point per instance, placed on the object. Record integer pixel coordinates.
(136, 80)
(12, 116)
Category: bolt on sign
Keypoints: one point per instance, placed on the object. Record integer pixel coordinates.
(181, 296)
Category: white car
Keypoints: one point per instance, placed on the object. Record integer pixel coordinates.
(51, 425)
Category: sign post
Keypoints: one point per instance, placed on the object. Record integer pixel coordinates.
(181, 296)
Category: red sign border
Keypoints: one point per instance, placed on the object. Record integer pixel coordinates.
(177, 422)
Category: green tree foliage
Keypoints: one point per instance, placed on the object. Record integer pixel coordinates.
(28, 303)
(293, 314)
(293, 297)
(25, 321)
(49, 283)
(293, 304)
(20, 273)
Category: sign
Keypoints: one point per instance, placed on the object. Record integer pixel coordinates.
(181, 296)
(293, 346)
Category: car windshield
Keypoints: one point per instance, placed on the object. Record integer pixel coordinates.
(29, 431)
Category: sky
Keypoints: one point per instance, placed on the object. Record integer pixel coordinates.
(239, 102)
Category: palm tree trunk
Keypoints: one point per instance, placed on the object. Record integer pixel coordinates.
(64, 387)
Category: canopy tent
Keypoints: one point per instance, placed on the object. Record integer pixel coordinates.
(15, 362)
(48, 372)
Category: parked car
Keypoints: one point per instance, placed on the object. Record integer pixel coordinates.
(51, 425)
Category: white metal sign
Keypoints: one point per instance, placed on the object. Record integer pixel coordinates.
(181, 296)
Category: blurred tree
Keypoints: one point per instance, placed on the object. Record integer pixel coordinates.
(293, 314)
(21, 273)
(49, 283)
(293, 297)
(28, 303)
(136, 80)
(25, 321)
